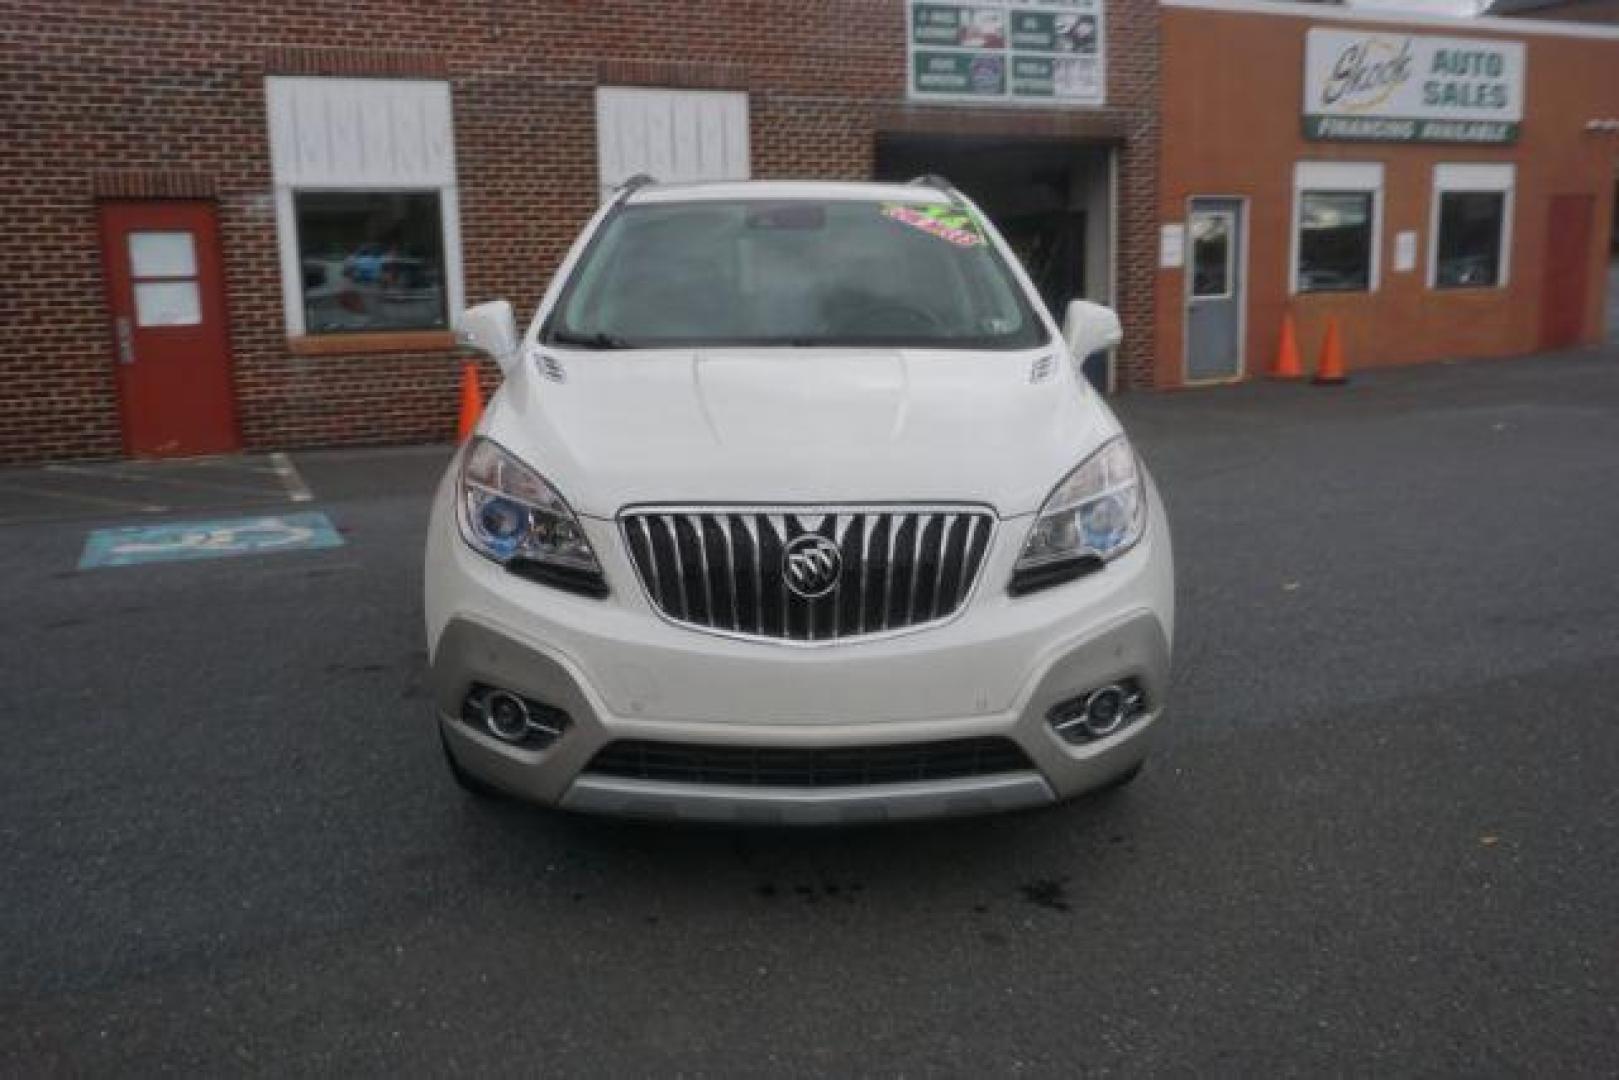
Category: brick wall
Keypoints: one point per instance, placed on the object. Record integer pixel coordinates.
(1133, 80)
(103, 97)
(1248, 147)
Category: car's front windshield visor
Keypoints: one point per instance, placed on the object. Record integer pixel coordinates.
(797, 272)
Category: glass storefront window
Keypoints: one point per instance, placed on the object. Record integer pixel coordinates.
(1470, 224)
(1335, 241)
(371, 260)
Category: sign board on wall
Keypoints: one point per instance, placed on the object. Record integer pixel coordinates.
(1044, 52)
(1171, 245)
(1378, 86)
(1405, 251)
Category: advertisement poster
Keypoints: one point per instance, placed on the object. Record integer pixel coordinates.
(1033, 53)
(1377, 86)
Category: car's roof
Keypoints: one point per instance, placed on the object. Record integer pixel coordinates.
(734, 190)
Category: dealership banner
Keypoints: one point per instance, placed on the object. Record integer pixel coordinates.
(1035, 53)
(1377, 86)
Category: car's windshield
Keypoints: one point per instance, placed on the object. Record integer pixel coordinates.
(793, 272)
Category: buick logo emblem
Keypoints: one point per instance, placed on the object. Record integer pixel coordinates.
(811, 566)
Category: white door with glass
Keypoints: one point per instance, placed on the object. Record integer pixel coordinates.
(1214, 290)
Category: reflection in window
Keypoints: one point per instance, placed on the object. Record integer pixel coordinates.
(1211, 255)
(371, 260)
(1469, 242)
(1335, 241)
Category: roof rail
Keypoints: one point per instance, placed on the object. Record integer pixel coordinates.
(934, 180)
(635, 183)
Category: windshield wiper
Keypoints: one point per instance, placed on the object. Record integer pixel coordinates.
(599, 339)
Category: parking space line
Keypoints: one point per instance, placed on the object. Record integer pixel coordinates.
(297, 490)
(94, 500)
(131, 478)
(225, 462)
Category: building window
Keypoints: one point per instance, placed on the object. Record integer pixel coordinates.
(1471, 228)
(366, 204)
(1335, 241)
(1337, 214)
(371, 260)
(1469, 238)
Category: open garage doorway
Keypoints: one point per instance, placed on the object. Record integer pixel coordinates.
(1050, 198)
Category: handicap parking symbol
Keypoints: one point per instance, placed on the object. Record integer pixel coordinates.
(175, 541)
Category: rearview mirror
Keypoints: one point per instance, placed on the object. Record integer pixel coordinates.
(492, 330)
(1089, 328)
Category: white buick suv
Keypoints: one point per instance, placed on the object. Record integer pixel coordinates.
(794, 507)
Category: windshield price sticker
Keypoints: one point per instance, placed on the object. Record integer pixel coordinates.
(947, 223)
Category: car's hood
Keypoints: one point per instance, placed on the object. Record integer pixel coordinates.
(611, 430)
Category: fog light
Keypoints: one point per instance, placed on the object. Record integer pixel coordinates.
(1104, 710)
(1098, 713)
(511, 718)
(505, 716)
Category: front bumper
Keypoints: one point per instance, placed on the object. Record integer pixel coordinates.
(788, 806)
(622, 673)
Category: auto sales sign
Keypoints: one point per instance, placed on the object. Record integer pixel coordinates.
(1377, 86)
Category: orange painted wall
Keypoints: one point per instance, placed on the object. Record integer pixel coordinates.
(1232, 90)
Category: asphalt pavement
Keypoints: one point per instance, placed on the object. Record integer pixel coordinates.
(1382, 835)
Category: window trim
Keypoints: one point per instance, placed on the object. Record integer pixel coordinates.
(438, 177)
(138, 279)
(292, 295)
(1491, 179)
(1339, 177)
(292, 277)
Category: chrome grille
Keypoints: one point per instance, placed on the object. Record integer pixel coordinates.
(723, 568)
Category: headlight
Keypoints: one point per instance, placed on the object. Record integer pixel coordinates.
(510, 514)
(1096, 514)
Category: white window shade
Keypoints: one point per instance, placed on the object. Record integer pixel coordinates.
(1473, 177)
(1338, 176)
(670, 135)
(359, 133)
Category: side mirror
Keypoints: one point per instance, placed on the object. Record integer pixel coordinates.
(491, 329)
(1089, 328)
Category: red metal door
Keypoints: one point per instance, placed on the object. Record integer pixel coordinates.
(165, 288)
(1568, 266)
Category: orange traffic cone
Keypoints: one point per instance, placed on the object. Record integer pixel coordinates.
(1330, 371)
(471, 402)
(1287, 356)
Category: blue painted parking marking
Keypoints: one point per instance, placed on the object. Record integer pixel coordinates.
(133, 545)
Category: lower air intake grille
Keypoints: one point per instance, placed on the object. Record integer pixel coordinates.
(842, 767)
